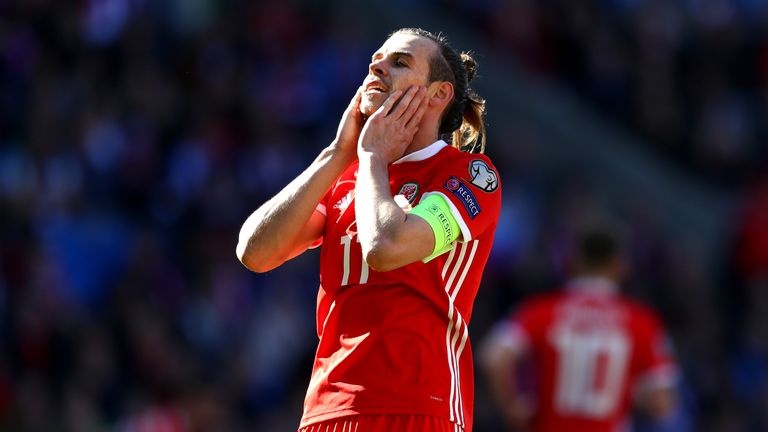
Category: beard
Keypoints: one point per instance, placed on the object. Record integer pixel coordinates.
(370, 102)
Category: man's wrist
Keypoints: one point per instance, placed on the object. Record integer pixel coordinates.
(371, 158)
(335, 151)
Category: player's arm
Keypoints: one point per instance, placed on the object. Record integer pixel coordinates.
(500, 356)
(389, 237)
(260, 249)
(659, 403)
(656, 387)
(288, 224)
(656, 392)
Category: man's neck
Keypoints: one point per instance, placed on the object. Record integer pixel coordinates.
(423, 139)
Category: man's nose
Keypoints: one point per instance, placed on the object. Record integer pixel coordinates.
(377, 68)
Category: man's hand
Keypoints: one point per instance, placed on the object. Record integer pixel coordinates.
(349, 128)
(390, 130)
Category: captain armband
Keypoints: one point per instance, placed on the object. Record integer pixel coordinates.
(435, 210)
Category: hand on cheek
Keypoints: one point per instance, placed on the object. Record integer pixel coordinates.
(348, 132)
(390, 129)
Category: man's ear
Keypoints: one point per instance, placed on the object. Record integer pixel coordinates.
(440, 93)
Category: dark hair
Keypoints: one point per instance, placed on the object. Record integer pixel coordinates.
(598, 247)
(462, 123)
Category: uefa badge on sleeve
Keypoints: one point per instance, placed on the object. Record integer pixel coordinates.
(483, 176)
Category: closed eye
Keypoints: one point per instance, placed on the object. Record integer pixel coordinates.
(401, 58)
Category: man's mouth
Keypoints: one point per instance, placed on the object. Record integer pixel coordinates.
(375, 87)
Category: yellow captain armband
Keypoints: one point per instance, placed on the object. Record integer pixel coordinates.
(434, 209)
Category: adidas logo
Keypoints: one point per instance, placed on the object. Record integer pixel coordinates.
(344, 202)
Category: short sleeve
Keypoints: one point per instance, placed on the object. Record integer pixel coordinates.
(322, 208)
(657, 359)
(471, 186)
(511, 336)
(517, 332)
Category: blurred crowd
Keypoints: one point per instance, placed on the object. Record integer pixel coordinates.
(136, 136)
(691, 76)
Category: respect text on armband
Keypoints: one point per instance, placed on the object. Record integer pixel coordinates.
(445, 224)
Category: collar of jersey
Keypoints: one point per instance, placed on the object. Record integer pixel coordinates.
(423, 154)
(593, 285)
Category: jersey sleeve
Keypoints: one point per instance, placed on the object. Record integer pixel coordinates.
(322, 208)
(657, 366)
(472, 188)
(517, 331)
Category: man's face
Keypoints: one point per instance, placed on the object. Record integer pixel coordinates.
(403, 61)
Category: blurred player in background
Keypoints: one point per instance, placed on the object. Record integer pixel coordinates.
(406, 221)
(593, 353)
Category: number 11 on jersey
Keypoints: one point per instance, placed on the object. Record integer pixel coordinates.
(346, 241)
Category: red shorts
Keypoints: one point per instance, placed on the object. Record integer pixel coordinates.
(384, 423)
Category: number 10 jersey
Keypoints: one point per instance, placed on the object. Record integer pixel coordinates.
(592, 350)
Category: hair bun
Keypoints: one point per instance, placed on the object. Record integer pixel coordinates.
(470, 65)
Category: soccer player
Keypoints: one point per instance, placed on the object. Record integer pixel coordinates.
(406, 212)
(592, 352)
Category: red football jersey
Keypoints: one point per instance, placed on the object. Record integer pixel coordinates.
(396, 342)
(592, 350)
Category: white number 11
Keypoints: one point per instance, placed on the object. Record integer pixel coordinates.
(346, 241)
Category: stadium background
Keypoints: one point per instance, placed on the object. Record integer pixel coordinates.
(135, 137)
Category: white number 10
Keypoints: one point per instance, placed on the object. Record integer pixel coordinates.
(591, 371)
(346, 241)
